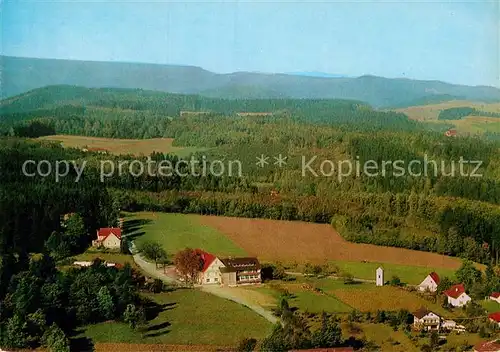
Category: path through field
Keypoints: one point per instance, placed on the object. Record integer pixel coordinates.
(223, 292)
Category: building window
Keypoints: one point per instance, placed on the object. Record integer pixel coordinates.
(216, 279)
(208, 280)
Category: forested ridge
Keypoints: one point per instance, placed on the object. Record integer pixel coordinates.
(128, 113)
(455, 215)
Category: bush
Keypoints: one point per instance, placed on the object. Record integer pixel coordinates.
(246, 345)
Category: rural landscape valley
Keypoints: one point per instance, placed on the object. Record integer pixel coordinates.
(249, 176)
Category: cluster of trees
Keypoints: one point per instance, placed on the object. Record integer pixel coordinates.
(42, 305)
(461, 112)
(122, 113)
(448, 226)
(38, 304)
(153, 251)
(294, 332)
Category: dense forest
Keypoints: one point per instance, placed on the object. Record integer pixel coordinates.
(438, 205)
(460, 113)
(121, 113)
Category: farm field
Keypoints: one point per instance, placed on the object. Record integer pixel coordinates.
(470, 124)
(491, 306)
(385, 337)
(385, 298)
(294, 241)
(412, 275)
(122, 146)
(143, 347)
(178, 231)
(188, 313)
(288, 242)
(431, 111)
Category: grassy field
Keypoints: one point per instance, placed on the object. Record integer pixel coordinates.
(385, 298)
(286, 241)
(123, 146)
(295, 241)
(491, 306)
(412, 275)
(189, 317)
(178, 231)
(384, 336)
(431, 111)
(469, 125)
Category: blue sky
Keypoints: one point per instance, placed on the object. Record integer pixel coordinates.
(456, 42)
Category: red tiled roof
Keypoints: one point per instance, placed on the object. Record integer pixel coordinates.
(206, 257)
(455, 291)
(495, 316)
(106, 231)
(495, 294)
(435, 277)
(488, 346)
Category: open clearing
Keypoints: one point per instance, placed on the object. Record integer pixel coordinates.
(122, 146)
(385, 298)
(384, 336)
(178, 231)
(431, 111)
(295, 241)
(286, 241)
(188, 314)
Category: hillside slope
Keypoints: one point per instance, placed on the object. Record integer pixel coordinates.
(22, 74)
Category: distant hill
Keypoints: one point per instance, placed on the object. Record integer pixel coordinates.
(23, 74)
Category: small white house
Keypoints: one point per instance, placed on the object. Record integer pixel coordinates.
(424, 319)
(430, 283)
(83, 264)
(456, 296)
(380, 276)
(451, 325)
(109, 237)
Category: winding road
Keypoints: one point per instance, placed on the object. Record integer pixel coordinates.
(224, 292)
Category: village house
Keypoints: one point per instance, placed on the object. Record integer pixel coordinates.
(488, 346)
(430, 283)
(228, 271)
(108, 237)
(451, 133)
(451, 325)
(495, 296)
(456, 296)
(495, 318)
(424, 319)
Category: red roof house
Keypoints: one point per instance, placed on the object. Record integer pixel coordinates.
(488, 346)
(451, 133)
(494, 317)
(206, 257)
(430, 282)
(455, 291)
(435, 277)
(109, 237)
(457, 296)
(495, 296)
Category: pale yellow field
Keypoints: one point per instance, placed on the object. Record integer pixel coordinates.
(471, 124)
(121, 146)
(431, 111)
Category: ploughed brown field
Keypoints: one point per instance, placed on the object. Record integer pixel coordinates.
(289, 241)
